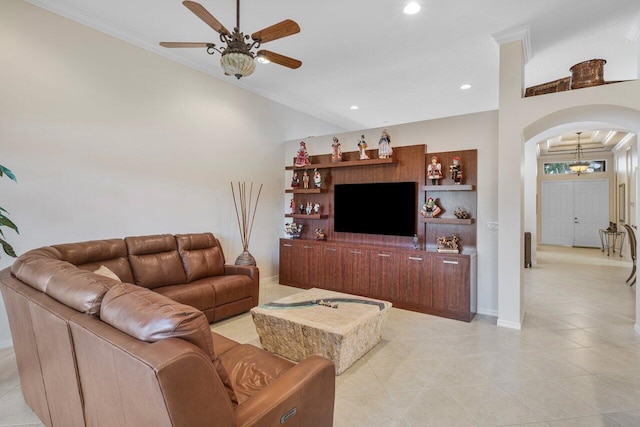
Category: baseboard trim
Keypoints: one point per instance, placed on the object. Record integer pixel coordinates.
(509, 324)
(487, 312)
(637, 328)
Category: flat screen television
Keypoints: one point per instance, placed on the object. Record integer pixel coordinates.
(387, 208)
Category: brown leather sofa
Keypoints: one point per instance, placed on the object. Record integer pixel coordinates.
(94, 351)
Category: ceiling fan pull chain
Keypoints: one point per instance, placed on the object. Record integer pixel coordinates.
(238, 14)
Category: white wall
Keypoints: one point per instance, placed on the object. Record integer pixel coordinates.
(109, 140)
(473, 131)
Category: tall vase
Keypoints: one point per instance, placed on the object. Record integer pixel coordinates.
(245, 258)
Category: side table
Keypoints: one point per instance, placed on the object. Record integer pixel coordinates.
(611, 240)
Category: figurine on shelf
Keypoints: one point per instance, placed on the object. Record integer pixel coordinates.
(292, 205)
(416, 242)
(320, 234)
(434, 170)
(384, 146)
(295, 180)
(336, 153)
(302, 159)
(293, 230)
(460, 213)
(448, 245)
(309, 208)
(301, 208)
(456, 170)
(316, 208)
(362, 145)
(430, 209)
(305, 180)
(317, 178)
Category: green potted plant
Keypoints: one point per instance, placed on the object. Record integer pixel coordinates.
(4, 221)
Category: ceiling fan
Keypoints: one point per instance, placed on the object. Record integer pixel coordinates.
(238, 56)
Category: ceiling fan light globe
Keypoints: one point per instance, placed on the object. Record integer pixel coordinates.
(237, 64)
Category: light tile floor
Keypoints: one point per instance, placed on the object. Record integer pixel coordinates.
(575, 363)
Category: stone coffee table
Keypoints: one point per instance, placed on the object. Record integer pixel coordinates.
(295, 330)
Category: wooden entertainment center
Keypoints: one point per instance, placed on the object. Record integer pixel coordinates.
(388, 267)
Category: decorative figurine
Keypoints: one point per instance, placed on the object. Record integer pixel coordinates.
(316, 208)
(295, 180)
(434, 170)
(362, 145)
(301, 208)
(317, 178)
(320, 234)
(293, 206)
(456, 170)
(416, 242)
(293, 230)
(384, 145)
(305, 180)
(430, 209)
(309, 208)
(449, 245)
(336, 154)
(460, 213)
(302, 159)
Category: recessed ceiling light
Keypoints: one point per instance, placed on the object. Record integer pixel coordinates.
(354, 107)
(465, 86)
(263, 60)
(412, 8)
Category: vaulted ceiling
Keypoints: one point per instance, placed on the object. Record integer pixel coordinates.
(396, 68)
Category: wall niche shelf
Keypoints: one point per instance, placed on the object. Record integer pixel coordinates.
(305, 190)
(305, 216)
(345, 164)
(467, 221)
(460, 187)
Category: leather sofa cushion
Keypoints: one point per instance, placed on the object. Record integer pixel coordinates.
(149, 316)
(229, 288)
(251, 369)
(198, 295)
(201, 255)
(111, 253)
(79, 289)
(155, 261)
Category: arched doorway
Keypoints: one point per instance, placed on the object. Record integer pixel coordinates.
(610, 116)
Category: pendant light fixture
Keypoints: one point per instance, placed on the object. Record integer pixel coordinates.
(579, 165)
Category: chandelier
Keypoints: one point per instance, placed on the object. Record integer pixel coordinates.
(579, 165)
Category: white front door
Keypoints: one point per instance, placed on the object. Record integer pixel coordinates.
(574, 211)
(557, 213)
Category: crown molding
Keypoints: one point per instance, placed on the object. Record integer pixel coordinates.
(521, 34)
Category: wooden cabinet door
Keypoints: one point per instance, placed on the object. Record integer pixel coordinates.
(330, 268)
(356, 270)
(414, 286)
(307, 268)
(384, 273)
(451, 283)
(287, 261)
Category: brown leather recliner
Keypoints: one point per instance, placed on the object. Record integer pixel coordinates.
(138, 358)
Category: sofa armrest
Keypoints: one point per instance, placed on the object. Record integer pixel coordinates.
(302, 396)
(247, 270)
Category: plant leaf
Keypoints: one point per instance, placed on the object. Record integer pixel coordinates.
(8, 223)
(8, 249)
(7, 171)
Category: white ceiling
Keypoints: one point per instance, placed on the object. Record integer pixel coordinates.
(397, 68)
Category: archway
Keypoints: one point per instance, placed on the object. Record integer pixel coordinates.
(611, 116)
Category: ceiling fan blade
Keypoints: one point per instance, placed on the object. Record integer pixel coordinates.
(184, 44)
(279, 59)
(203, 14)
(276, 31)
